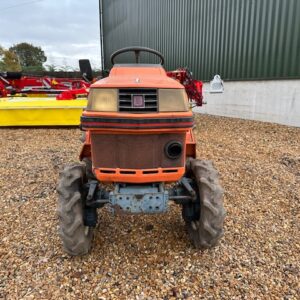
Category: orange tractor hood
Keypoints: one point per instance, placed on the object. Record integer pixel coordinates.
(138, 76)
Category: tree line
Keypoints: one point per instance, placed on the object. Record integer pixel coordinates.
(28, 58)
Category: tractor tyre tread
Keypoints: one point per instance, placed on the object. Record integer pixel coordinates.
(89, 168)
(76, 237)
(207, 231)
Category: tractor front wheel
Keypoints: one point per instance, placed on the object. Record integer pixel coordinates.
(205, 223)
(75, 236)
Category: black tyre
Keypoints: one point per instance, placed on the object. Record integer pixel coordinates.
(89, 169)
(75, 236)
(205, 225)
(82, 138)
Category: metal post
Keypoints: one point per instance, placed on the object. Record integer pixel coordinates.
(101, 33)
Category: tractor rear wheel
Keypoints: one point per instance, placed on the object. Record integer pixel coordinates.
(205, 224)
(75, 236)
(89, 168)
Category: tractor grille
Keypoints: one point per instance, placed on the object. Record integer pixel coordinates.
(134, 151)
(126, 100)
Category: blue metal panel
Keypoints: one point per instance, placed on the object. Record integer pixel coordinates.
(239, 39)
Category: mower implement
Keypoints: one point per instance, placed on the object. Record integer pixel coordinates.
(35, 111)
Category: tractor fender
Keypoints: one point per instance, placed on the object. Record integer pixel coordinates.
(190, 150)
(86, 148)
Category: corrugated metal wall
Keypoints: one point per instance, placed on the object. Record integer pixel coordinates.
(238, 39)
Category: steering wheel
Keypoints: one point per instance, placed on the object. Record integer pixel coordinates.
(137, 51)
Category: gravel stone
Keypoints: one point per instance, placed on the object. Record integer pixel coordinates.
(258, 258)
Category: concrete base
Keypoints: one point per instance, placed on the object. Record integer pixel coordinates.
(276, 101)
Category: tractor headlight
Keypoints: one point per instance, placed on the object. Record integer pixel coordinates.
(101, 99)
(173, 100)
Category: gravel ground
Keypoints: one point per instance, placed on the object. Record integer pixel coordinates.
(150, 257)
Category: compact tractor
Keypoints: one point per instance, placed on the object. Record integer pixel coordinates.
(138, 138)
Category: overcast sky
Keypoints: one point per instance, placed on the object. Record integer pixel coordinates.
(67, 30)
